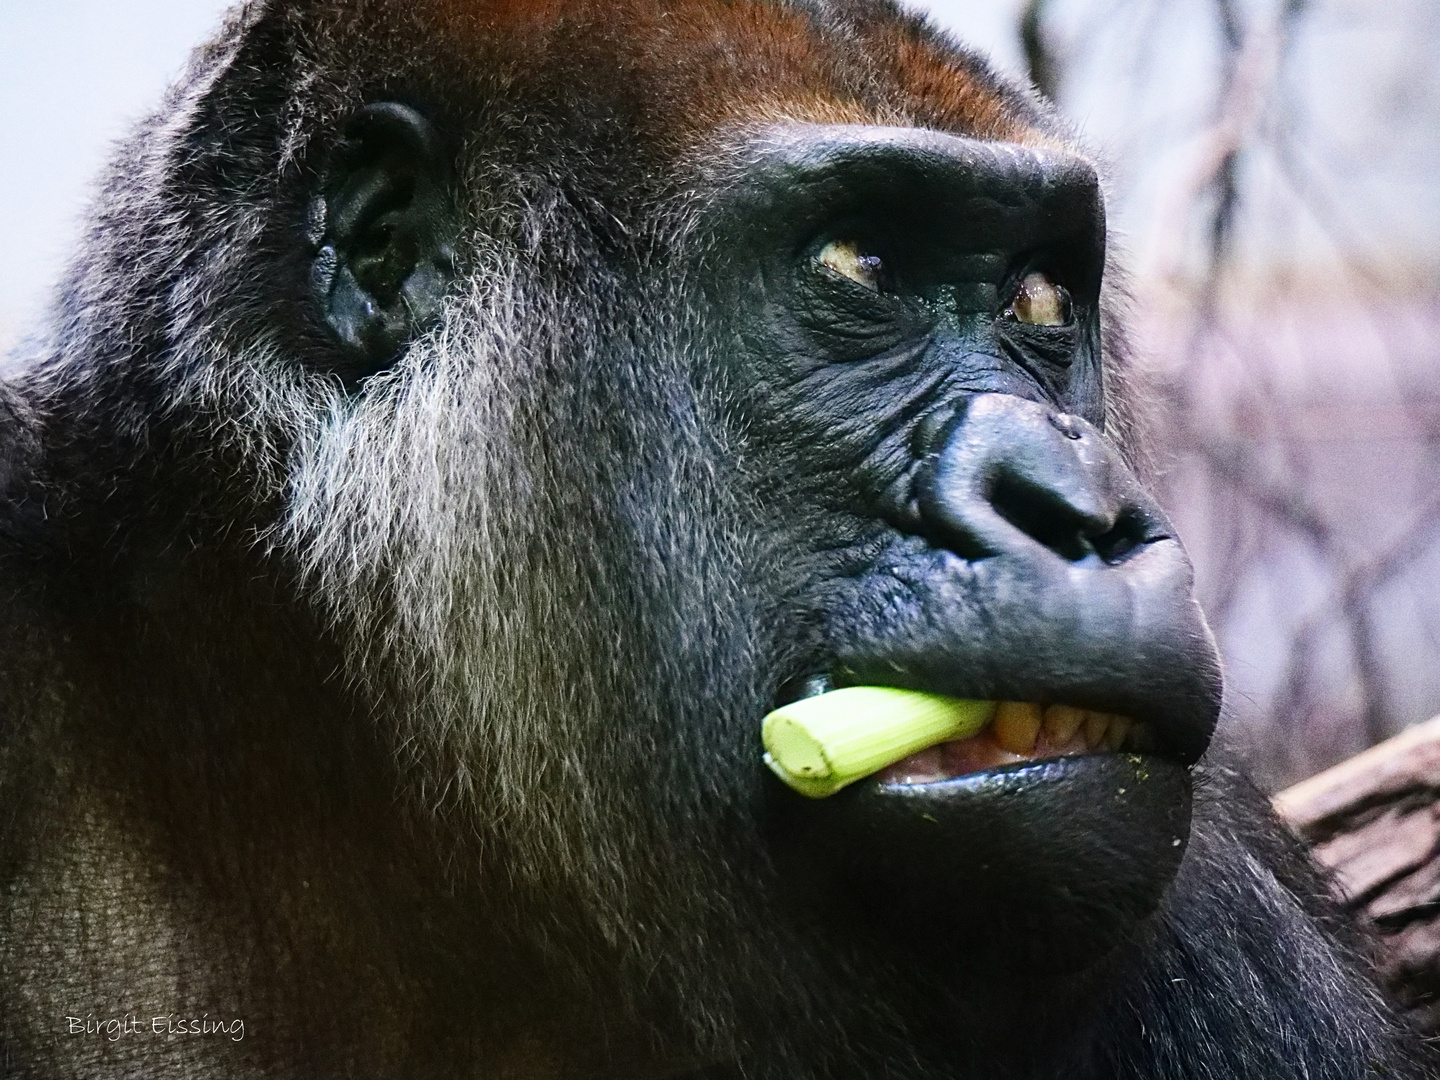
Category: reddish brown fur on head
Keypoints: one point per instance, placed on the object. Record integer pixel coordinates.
(676, 72)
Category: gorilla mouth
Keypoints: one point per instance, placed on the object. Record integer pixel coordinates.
(991, 735)
(1020, 733)
(1039, 842)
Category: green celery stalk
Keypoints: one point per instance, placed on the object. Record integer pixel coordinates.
(820, 744)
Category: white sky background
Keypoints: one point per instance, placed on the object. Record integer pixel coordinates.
(73, 75)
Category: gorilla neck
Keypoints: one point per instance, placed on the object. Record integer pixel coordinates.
(225, 823)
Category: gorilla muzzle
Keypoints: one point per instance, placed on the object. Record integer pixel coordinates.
(1043, 580)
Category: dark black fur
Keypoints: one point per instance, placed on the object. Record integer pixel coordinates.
(410, 718)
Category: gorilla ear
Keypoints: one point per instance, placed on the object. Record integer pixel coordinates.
(383, 232)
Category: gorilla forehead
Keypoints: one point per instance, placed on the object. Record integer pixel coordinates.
(667, 73)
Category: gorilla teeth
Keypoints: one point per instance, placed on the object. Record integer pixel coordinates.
(1019, 726)
(1016, 726)
(1115, 735)
(1096, 724)
(1062, 722)
(1021, 731)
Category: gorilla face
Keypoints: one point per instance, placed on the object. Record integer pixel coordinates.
(917, 362)
(851, 436)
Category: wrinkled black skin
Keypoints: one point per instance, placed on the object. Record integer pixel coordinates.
(982, 537)
(166, 665)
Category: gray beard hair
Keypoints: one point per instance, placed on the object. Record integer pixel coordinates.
(539, 617)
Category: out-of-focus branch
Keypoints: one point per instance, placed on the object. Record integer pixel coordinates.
(1259, 375)
(1373, 822)
(1249, 69)
(1242, 469)
(1039, 57)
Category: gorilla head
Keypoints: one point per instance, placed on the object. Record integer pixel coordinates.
(466, 421)
(776, 400)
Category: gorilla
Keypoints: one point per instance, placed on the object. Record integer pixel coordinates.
(463, 422)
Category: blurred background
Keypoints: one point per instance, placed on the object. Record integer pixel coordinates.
(1275, 177)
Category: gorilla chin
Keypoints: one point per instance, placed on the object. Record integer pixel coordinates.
(1042, 868)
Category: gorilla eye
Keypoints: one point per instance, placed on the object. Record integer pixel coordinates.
(1038, 301)
(848, 259)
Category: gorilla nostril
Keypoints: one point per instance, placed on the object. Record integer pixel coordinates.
(1043, 515)
(1050, 519)
(995, 475)
(1130, 532)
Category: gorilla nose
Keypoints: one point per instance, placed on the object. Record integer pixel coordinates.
(1047, 574)
(1011, 474)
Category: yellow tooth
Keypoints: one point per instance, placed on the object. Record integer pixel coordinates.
(1095, 725)
(1061, 723)
(1115, 734)
(1016, 726)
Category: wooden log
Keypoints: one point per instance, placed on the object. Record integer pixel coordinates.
(1374, 822)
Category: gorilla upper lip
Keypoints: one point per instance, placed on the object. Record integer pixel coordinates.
(1125, 641)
